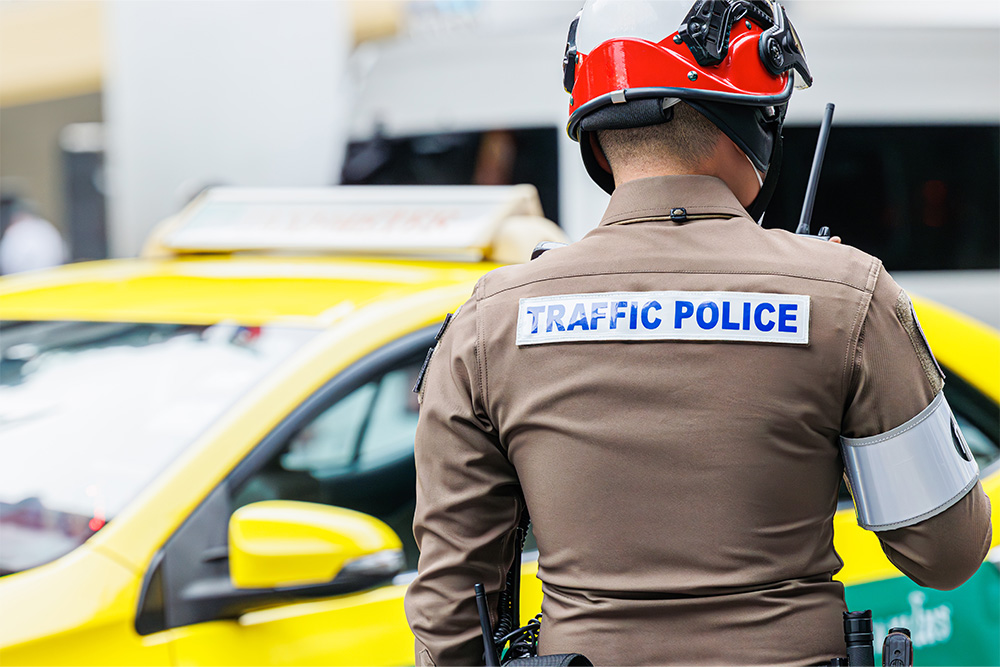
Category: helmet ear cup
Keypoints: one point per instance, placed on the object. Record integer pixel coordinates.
(779, 49)
(771, 53)
(753, 129)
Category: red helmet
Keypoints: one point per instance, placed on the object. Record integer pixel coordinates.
(735, 61)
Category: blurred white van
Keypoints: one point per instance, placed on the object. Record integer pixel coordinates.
(910, 174)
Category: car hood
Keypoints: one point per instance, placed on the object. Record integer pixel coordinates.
(251, 290)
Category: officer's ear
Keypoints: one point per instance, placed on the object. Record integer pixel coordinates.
(595, 145)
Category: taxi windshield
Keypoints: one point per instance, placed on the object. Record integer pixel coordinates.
(90, 412)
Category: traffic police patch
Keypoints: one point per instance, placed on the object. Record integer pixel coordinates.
(754, 317)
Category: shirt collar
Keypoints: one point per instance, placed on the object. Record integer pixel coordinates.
(659, 196)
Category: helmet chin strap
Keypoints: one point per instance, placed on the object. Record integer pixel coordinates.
(763, 198)
(760, 182)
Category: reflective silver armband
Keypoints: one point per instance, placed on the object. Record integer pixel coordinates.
(912, 472)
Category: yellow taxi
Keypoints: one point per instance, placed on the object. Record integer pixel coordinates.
(206, 453)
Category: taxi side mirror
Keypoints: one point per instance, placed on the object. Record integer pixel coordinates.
(285, 543)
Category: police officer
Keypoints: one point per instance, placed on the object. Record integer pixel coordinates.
(671, 395)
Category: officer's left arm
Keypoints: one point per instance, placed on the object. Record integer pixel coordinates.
(468, 502)
(913, 478)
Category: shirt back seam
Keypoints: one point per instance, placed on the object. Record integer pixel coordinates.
(679, 272)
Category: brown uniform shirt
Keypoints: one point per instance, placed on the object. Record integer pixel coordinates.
(681, 492)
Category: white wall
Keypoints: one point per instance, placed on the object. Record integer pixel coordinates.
(898, 75)
(246, 93)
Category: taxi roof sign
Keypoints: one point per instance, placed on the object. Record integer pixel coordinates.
(456, 222)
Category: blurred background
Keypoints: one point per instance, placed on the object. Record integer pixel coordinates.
(114, 114)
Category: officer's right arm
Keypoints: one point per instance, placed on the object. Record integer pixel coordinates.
(931, 524)
(468, 502)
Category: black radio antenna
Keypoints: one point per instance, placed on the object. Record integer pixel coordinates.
(807, 204)
(489, 648)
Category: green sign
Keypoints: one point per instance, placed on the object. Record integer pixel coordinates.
(959, 627)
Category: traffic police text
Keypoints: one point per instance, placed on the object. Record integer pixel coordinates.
(720, 316)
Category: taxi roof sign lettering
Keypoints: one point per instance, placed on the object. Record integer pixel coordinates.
(457, 222)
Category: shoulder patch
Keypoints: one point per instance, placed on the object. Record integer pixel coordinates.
(418, 385)
(751, 317)
(908, 318)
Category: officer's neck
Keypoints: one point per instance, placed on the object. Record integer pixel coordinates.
(727, 162)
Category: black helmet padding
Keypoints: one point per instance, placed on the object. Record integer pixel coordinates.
(634, 113)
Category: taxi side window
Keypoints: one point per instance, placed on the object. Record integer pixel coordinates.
(356, 453)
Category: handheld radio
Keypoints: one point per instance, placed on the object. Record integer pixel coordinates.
(817, 165)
